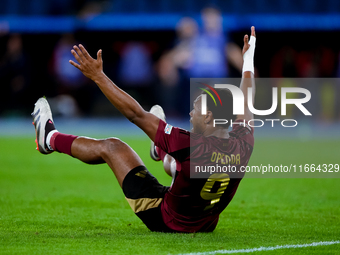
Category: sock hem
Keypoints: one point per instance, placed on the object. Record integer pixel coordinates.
(51, 138)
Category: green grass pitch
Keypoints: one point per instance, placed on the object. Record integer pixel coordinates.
(57, 205)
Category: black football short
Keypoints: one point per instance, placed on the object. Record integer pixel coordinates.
(145, 194)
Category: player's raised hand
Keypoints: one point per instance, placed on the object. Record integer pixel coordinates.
(89, 66)
(248, 42)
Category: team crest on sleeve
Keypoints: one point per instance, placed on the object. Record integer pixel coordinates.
(168, 129)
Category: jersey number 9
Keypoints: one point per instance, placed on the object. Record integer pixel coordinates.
(208, 193)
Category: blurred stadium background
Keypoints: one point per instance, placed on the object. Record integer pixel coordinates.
(297, 39)
(59, 205)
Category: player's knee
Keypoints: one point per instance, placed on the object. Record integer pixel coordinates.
(113, 145)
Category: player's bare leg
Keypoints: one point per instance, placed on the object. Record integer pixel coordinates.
(156, 154)
(157, 111)
(117, 154)
(167, 161)
(120, 157)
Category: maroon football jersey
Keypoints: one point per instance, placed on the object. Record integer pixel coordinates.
(196, 198)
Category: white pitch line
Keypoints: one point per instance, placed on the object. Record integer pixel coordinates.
(288, 246)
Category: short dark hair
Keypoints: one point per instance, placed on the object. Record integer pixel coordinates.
(224, 111)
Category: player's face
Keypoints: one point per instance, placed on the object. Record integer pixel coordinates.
(197, 119)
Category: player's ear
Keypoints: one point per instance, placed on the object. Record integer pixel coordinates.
(208, 117)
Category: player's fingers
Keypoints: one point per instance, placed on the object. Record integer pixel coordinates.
(74, 64)
(84, 51)
(99, 55)
(253, 31)
(76, 56)
(245, 40)
(80, 54)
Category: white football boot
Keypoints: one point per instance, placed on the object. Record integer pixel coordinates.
(43, 124)
(158, 112)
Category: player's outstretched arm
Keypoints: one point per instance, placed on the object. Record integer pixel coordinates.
(248, 80)
(128, 106)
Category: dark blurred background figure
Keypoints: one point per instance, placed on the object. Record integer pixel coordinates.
(198, 53)
(135, 67)
(15, 78)
(212, 50)
(173, 65)
(73, 93)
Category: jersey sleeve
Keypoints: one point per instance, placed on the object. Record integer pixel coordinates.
(174, 141)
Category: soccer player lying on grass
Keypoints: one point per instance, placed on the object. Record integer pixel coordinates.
(190, 204)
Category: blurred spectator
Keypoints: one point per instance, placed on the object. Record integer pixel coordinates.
(70, 81)
(196, 55)
(210, 49)
(178, 57)
(172, 64)
(15, 77)
(135, 69)
(135, 65)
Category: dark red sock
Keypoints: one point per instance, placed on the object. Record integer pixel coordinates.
(160, 153)
(63, 142)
